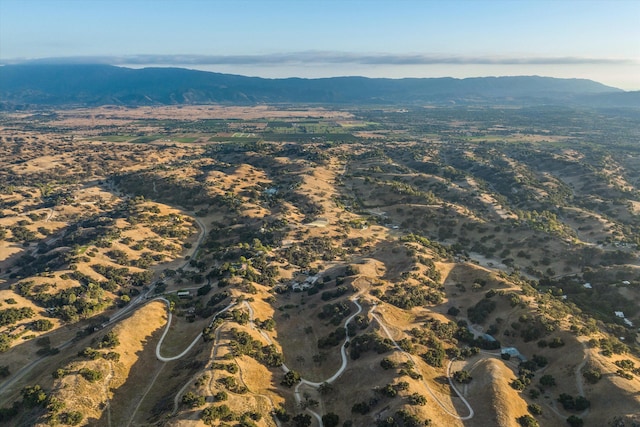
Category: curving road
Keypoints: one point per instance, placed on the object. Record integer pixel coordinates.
(343, 352)
(335, 376)
(410, 357)
(166, 331)
(455, 389)
(118, 315)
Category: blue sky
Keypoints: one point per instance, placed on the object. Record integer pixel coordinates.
(599, 40)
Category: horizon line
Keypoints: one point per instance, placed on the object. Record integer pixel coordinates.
(321, 57)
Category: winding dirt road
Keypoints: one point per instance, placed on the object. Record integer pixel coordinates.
(410, 357)
(166, 331)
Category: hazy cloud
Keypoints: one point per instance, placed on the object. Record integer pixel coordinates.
(321, 57)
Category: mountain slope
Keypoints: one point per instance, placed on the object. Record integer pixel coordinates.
(104, 84)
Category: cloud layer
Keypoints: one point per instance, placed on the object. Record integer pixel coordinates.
(325, 57)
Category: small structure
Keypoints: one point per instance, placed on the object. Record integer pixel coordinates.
(184, 294)
(626, 282)
(628, 322)
(297, 286)
(489, 338)
(312, 279)
(309, 282)
(619, 314)
(587, 286)
(513, 352)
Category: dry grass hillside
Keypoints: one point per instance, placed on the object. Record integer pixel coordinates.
(357, 267)
(497, 403)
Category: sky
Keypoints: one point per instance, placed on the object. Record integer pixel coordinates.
(598, 40)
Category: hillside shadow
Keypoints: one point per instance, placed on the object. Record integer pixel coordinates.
(393, 256)
(146, 368)
(51, 349)
(47, 254)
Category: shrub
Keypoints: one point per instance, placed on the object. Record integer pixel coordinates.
(462, 377)
(592, 375)
(193, 400)
(281, 414)
(89, 353)
(574, 421)
(624, 374)
(212, 413)
(330, 419)
(12, 315)
(387, 363)
(518, 384)
(59, 373)
(417, 399)
(547, 381)
(556, 342)
(361, 408)
(5, 342)
(302, 420)
(220, 396)
(112, 355)
(625, 364)
(541, 361)
(479, 312)
(91, 375)
(290, 379)
(535, 409)
(581, 403)
(527, 421)
(453, 311)
(110, 340)
(42, 325)
(72, 418)
(33, 396)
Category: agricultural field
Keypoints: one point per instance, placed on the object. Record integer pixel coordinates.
(298, 266)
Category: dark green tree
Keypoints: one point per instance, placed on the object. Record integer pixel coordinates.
(330, 420)
(290, 379)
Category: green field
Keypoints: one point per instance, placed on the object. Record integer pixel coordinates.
(147, 138)
(185, 139)
(234, 139)
(114, 138)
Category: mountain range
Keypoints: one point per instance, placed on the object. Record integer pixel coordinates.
(29, 85)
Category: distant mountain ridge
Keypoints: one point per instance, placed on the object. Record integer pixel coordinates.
(69, 85)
